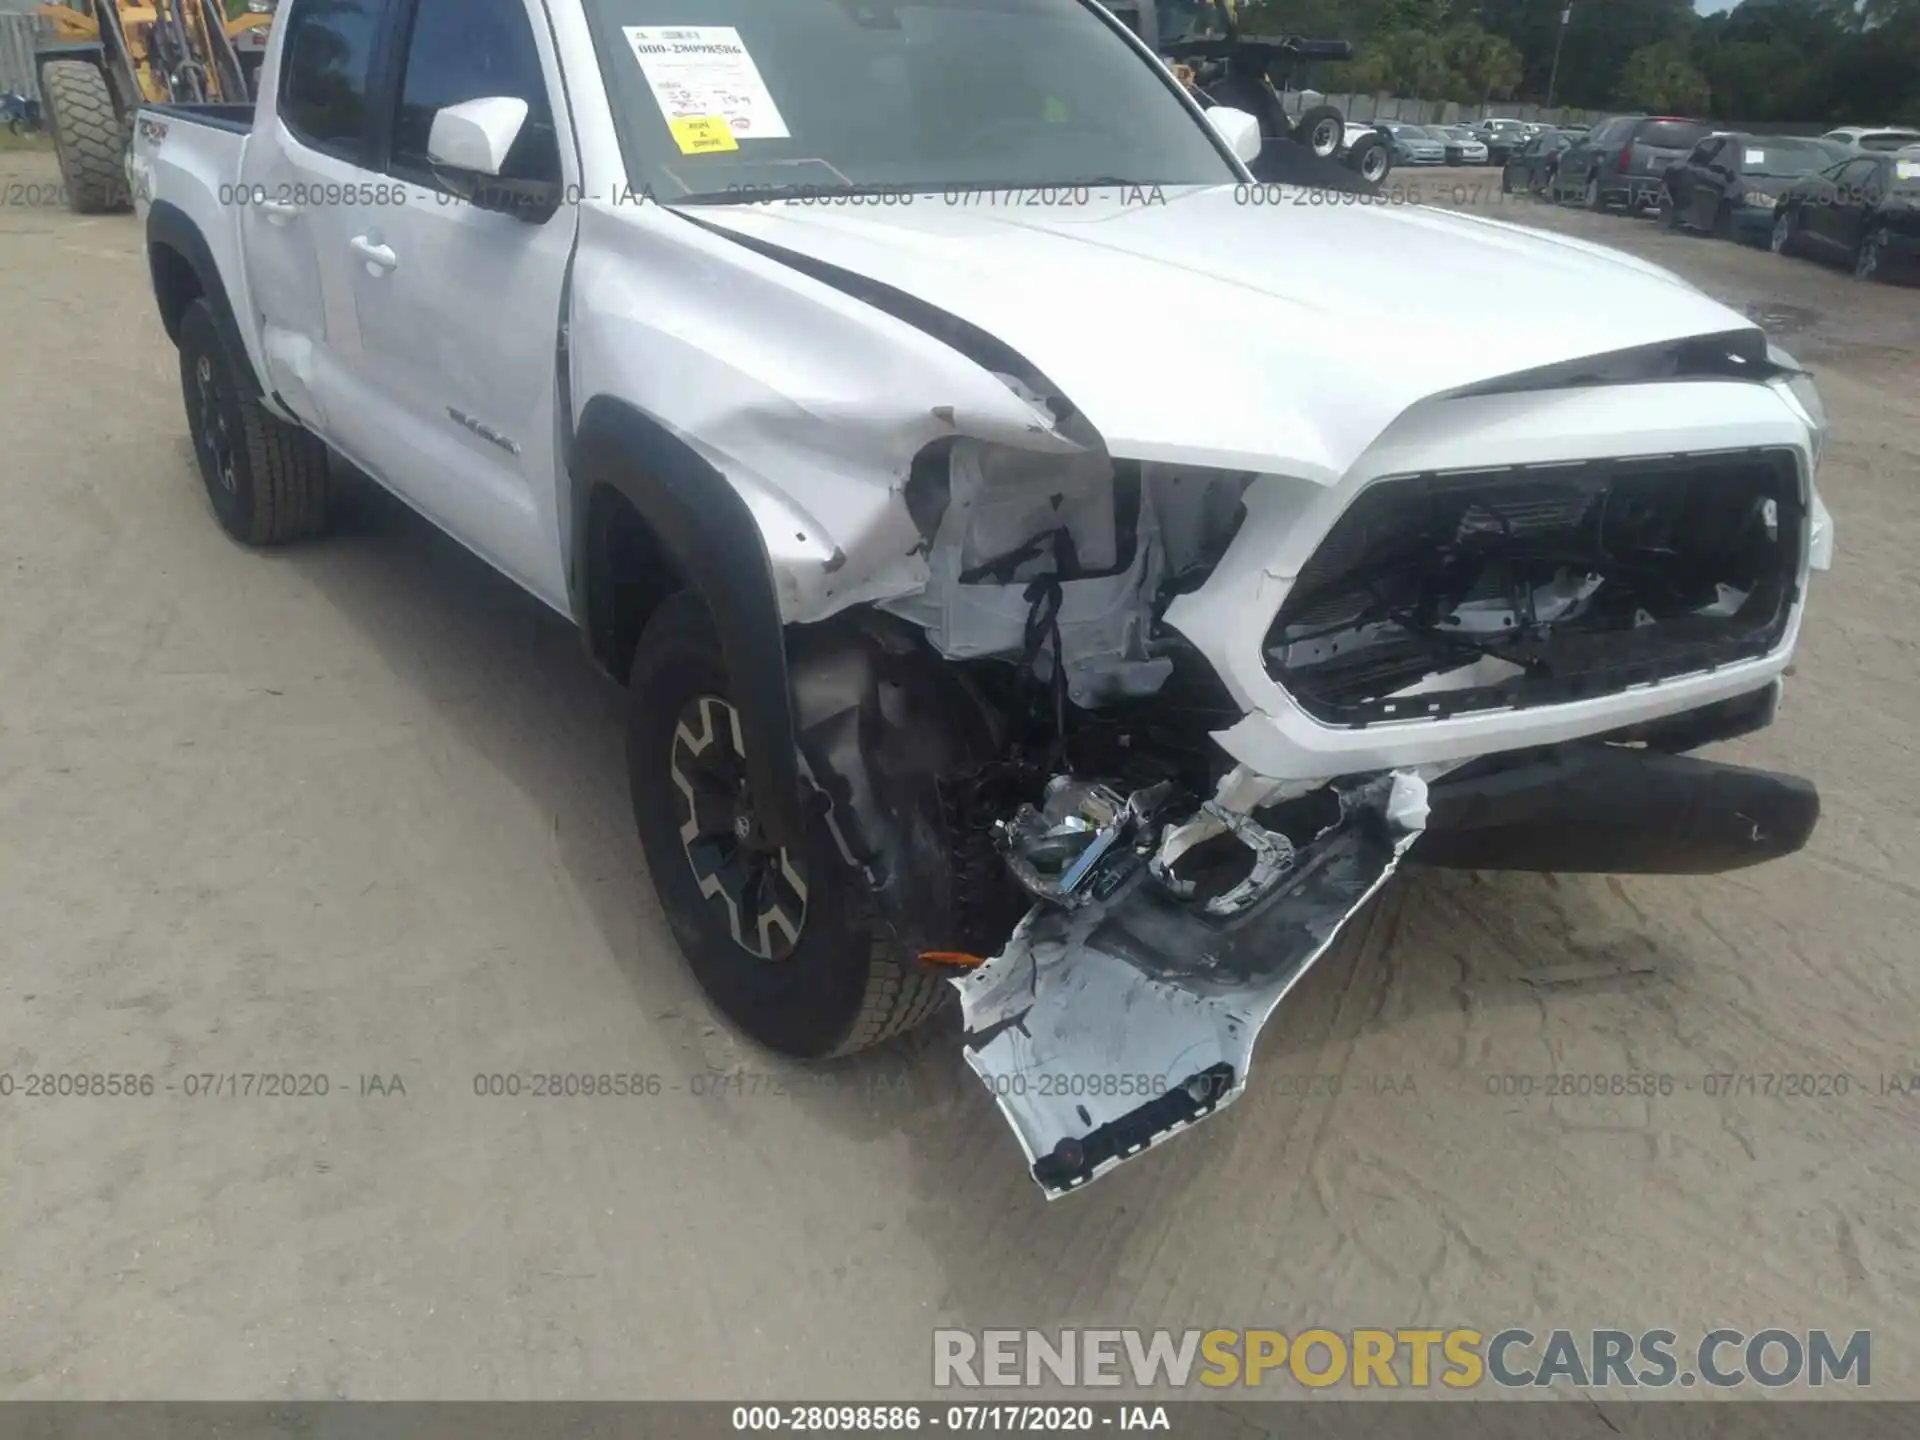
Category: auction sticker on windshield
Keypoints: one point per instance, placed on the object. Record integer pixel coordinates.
(699, 72)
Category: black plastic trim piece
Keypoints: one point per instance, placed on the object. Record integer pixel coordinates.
(171, 228)
(235, 118)
(707, 530)
(1587, 808)
(1073, 1163)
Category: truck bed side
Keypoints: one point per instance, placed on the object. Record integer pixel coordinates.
(185, 167)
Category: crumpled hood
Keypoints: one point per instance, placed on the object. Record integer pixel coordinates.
(1206, 329)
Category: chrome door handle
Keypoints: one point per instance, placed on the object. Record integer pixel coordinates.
(379, 258)
(278, 212)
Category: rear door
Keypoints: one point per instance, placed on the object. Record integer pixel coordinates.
(1582, 157)
(297, 167)
(458, 318)
(1833, 215)
(1858, 201)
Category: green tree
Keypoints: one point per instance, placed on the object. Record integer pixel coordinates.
(1663, 77)
(1483, 64)
(1403, 62)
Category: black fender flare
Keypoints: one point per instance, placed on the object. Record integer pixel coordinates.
(171, 228)
(711, 536)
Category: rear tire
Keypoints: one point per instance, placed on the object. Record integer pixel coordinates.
(266, 479)
(834, 987)
(87, 136)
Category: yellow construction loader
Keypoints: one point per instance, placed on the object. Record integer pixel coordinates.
(103, 59)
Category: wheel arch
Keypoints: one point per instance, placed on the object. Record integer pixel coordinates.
(649, 516)
(183, 269)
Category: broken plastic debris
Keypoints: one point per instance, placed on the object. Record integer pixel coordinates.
(1059, 851)
(1108, 1028)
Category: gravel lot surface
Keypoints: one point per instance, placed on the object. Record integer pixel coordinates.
(358, 810)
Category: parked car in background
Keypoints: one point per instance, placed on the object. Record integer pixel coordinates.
(1875, 138)
(1412, 145)
(1864, 211)
(1502, 138)
(1623, 161)
(1531, 168)
(1730, 184)
(1463, 146)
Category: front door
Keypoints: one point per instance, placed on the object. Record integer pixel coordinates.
(458, 308)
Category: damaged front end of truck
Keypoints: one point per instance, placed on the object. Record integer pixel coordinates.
(1045, 777)
(1120, 731)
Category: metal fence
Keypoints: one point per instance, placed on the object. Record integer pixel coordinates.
(18, 35)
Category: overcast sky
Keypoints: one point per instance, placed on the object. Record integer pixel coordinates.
(1712, 7)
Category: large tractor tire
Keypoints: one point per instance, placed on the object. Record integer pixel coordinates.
(87, 135)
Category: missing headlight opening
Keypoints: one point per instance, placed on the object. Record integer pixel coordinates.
(1438, 594)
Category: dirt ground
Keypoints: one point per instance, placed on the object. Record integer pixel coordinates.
(357, 810)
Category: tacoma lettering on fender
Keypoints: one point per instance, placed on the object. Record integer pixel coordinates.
(1028, 582)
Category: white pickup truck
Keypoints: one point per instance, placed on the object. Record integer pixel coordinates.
(1045, 566)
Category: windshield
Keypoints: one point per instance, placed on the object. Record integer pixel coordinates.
(728, 100)
(1889, 140)
(1784, 157)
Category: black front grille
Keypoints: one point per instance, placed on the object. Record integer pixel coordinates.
(1666, 567)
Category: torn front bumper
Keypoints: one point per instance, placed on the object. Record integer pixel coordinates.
(1104, 1030)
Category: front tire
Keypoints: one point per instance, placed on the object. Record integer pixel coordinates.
(267, 479)
(790, 948)
(88, 137)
